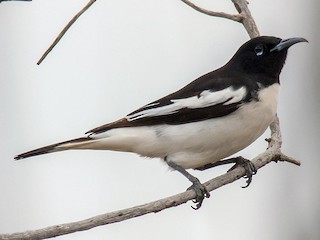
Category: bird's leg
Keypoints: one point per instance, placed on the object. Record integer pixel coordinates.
(238, 162)
(200, 189)
(215, 164)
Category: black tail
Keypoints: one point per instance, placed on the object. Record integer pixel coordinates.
(50, 148)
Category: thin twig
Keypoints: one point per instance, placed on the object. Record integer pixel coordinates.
(234, 17)
(285, 158)
(65, 29)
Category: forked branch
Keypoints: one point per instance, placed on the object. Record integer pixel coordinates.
(234, 17)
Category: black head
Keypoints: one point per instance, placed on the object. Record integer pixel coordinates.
(263, 55)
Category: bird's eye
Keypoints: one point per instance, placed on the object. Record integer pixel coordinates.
(259, 50)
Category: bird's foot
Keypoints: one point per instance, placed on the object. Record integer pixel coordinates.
(201, 193)
(197, 186)
(248, 166)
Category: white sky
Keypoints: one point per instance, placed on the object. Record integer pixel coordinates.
(118, 56)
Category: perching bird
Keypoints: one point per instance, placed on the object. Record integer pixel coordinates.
(213, 117)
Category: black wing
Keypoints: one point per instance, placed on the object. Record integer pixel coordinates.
(210, 96)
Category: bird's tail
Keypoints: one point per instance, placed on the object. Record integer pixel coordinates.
(55, 147)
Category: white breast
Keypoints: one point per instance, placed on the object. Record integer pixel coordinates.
(218, 138)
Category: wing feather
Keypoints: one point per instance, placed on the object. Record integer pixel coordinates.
(207, 97)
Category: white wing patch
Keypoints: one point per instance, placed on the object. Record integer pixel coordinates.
(206, 98)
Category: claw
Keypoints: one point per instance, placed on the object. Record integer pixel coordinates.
(201, 193)
(249, 168)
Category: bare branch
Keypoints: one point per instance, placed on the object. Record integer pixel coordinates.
(275, 142)
(234, 17)
(243, 17)
(247, 21)
(65, 29)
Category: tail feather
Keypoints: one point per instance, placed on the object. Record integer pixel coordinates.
(52, 148)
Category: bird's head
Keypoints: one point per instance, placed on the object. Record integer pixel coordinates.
(265, 55)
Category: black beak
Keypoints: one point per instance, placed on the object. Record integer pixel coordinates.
(286, 43)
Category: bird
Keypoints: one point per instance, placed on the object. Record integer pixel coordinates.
(203, 123)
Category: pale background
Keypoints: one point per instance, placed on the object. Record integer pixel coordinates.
(117, 57)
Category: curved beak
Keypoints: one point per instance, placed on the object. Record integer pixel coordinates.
(286, 43)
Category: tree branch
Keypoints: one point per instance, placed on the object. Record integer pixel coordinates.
(273, 153)
(247, 20)
(234, 17)
(64, 30)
